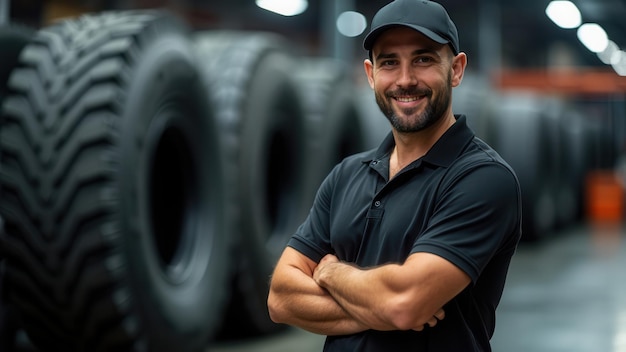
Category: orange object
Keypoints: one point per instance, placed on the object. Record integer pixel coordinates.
(604, 196)
(573, 81)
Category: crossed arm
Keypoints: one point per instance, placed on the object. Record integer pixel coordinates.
(336, 298)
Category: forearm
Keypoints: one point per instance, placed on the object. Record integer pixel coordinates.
(318, 314)
(391, 296)
(296, 299)
(358, 295)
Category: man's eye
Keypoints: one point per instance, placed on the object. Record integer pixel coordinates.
(423, 60)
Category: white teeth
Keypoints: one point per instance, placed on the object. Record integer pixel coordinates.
(406, 99)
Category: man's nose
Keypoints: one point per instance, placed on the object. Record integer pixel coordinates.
(407, 77)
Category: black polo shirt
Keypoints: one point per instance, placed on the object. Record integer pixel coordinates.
(460, 201)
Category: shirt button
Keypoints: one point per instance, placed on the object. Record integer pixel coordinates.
(377, 203)
(374, 162)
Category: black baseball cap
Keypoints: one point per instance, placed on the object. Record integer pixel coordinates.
(427, 17)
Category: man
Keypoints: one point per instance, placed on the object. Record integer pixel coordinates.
(406, 247)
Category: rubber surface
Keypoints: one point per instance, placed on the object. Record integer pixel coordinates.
(12, 40)
(111, 188)
(263, 130)
(335, 127)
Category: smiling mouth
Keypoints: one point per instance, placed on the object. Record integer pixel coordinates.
(409, 95)
(408, 99)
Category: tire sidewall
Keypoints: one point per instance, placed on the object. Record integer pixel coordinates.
(166, 92)
(276, 110)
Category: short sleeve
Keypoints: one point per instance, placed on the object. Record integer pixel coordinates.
(478, 211)
(312, 238)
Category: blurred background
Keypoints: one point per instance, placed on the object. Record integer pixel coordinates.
(545, 86)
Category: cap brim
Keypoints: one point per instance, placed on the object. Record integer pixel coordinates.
(368, 43)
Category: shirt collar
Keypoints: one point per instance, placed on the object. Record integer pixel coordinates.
(443, 152)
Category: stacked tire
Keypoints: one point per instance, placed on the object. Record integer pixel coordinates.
(523, 141)
(13, 39)
(111, 188)
(475, 99)
(551, 147)
(151, 177)
(564, 163)
(264, 137)
(335, 127)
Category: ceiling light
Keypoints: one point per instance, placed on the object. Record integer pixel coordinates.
(351, 24)
(620, 68)
(593, 37)
(610, 53)
(284, 7)
(564, 13)
(617, 57)
(619, 65)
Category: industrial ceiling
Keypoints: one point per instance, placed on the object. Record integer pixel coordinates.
(511, 33)
(494, 33)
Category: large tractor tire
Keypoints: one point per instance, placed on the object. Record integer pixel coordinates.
(474, 98)
(335, 126)
(9, 326)
(111, 188)
(577, 151)
(559, 122)
(12, 40)
(263, 127)
(376, 125)
(522, 138)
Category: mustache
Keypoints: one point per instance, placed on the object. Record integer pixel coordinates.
(410, 91)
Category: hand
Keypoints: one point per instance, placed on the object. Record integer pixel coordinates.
(319, 269)
(439, 315)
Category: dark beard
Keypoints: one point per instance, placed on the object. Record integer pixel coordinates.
(434, 110)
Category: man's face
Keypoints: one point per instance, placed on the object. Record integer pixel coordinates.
(412, 78)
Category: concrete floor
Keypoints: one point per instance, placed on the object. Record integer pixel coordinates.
(565, 294)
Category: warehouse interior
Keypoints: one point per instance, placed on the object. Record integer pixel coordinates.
(545, 86)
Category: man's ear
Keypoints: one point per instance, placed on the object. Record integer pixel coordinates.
(369, 71)
(459, 63)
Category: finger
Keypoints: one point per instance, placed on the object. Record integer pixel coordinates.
(432, 322)
(439, 315)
